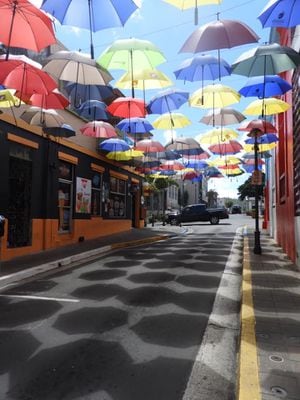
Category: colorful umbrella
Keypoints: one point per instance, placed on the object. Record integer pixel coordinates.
(214, 96)
(220, 34)
(212, 172)
(26, 76)
(230, 147)
(260, 124)
(149, 146)
(93, 15)
(46, 118)
(172, 165)
(24, 25)
(131, 55)
(98, 129)
(186, 146)
(217, 135)
(171, 121)
(222, 117)
(167, 101)
(127, 107)
(196, 164)
(144, 79)
(134, 125)
(79, 93)
(202, 67)
(225, 161)
(185, 4)
(54, 100)
(93, 110)
(261, 148)
(268, 106)
(114, 145)
(267, 138)
(265, 86)
(64, 130)
(124, 155)
(266, 59)
(8, 99)
(281, 14)
(76, 67)
(251, 155)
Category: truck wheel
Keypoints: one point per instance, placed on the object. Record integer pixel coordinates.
(214, 220)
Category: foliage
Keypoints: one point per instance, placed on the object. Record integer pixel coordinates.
(249, 190)
(212, 197)
(228, 203)
(158, 184)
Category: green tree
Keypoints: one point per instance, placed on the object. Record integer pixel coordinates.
(248, 190)
(228, 203)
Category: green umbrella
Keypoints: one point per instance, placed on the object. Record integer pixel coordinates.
(131, 54)
(268, 59)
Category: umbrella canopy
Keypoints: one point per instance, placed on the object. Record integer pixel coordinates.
(127, 107)
(124, 155)
(225, 161)
(64, 130)
(262, 147)
(251, 155)
(171, 121)
(114, 145)
(214, 96)
(202, 67)
(220, 34)
(266, 59)
(280, 13)
(93, 110)
(24, 25)
(268, 106)
(149, 146)
(8, 99)
(185, 4)
(131, 55)
(267, 138)
(93, 15)
(222, 117)
(41, 117)
(185, 146)
(265, 86)
(26, 76)
(217, 135)
(134, 125)
(54, 100)
(172, 165)
(98, 129)
(144, 79)
(167, 101)
(79, 93)
(76, 67)
(196, 164)
(260, 124)
(230, 147)
(213, 172)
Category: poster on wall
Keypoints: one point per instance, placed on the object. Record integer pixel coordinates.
(83, 195)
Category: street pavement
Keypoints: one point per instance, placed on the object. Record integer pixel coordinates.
(269, 356)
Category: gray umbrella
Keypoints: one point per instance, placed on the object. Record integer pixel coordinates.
(222, 117)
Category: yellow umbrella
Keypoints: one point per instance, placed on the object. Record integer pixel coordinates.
(217, 135)
(185, 4)
(171, 121)
(227, 160)
(7, 98)
(124, 155)
(261, 147)
(214, 96)
(267, 106)
(144, 79)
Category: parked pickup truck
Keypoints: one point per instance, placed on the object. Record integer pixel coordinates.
(198, 212)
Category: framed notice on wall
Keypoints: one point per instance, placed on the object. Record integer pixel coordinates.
(83, 195)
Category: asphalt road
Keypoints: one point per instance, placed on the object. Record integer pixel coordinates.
(128, 326)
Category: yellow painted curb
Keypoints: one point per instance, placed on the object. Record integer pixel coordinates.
(248, 379)
(139, 242)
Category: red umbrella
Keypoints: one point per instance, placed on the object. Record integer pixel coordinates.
(127, 107)
(230, 147)
(99, 129)
(261, 124)
(24, 25)
(172, 165)
(149, 146)
(25, 75)
(54, 100)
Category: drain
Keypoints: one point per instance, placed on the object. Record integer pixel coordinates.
(279, 392)
(276, 359)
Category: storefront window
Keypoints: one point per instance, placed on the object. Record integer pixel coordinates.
(117, 198)
(65, 190)
(96, 194)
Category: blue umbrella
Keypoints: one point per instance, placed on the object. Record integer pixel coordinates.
(167, 100)
(251, 168)
(280, 13)
(262, 154)
(202, 67)
(134, 125)
(64, 130)
(263, 139)
(79, 93)
(93, 110)
(196, 164)
(93, 15)
(265, 86)
(114, 145)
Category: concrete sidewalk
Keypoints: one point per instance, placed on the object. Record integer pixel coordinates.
(270, 324)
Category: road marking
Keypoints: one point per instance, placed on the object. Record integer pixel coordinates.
(248, 383)
(19, 296)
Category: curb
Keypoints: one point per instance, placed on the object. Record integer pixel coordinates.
(8, 280)
(248, 385)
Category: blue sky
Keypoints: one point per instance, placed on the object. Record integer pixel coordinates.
(168, 28)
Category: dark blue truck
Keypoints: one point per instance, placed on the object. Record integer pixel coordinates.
(198, 212)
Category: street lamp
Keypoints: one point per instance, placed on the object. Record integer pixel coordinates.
(256, 181)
